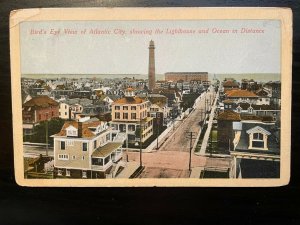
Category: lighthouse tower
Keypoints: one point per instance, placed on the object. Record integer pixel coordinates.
(151, 73)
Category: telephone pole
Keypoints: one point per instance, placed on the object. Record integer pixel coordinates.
(191, 136)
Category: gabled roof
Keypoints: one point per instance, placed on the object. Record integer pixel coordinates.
(86, 132)
(41, 101)
(258, 129)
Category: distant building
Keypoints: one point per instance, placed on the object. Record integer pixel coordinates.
(87, 148)
(274, 89)
(230, 84)
(186, 76)
(241, 96)
(70, 108)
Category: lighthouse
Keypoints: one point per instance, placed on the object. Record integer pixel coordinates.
(151, 72)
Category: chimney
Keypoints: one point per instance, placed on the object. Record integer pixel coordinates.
(79, 129)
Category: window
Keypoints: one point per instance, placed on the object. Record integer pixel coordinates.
(83, 157)
(258, 136)
(117, 115)
(133, 116)
(73, 157)
(40, 116)
(65, 113)
(107, 137)
(258, 140)
(65, 106)
(117, 107)
(125, 107)
(84, 174)
(63, 157)
(125, 115)
(95, 144)
(97, 161)
(72, 131)
(131, 127)
(106, 160)
(133, 107)
(62, 145)
(84, 147)
(52, 113)
(68, 173)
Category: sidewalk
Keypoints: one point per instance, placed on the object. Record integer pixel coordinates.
(196, 172)
(206, 136)
(130, 168)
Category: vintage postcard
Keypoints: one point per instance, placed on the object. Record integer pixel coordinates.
(151, 96)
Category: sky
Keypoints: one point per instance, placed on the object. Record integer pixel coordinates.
(121, 52)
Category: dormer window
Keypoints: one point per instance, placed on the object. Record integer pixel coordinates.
(72, 131)
(258, 138)
(250, 109)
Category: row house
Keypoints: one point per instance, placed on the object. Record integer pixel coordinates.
(129, 114)
(87, 148)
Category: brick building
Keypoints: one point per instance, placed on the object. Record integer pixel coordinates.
(186, 76)
(38, 109)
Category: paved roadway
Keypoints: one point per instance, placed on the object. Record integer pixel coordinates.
(179, 141)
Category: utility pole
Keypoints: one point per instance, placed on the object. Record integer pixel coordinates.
(46, 137)
(157, 132)
(141, 142)
(191, 137)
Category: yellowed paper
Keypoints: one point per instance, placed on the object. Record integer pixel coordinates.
(166, 97)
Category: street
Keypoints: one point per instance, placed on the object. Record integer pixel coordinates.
(172, 158)
(179, 140)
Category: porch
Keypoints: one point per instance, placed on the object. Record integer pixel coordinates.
(104, 157)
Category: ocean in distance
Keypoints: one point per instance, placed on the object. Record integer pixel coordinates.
(260, 77)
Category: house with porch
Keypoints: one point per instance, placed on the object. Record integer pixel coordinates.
(129, 114)
(87, 148)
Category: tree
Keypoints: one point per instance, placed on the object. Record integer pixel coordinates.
(54, 126)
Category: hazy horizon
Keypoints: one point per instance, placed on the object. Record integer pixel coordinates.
(128, 53)
(263, 77)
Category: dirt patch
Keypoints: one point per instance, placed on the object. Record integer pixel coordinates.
(152, 172)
